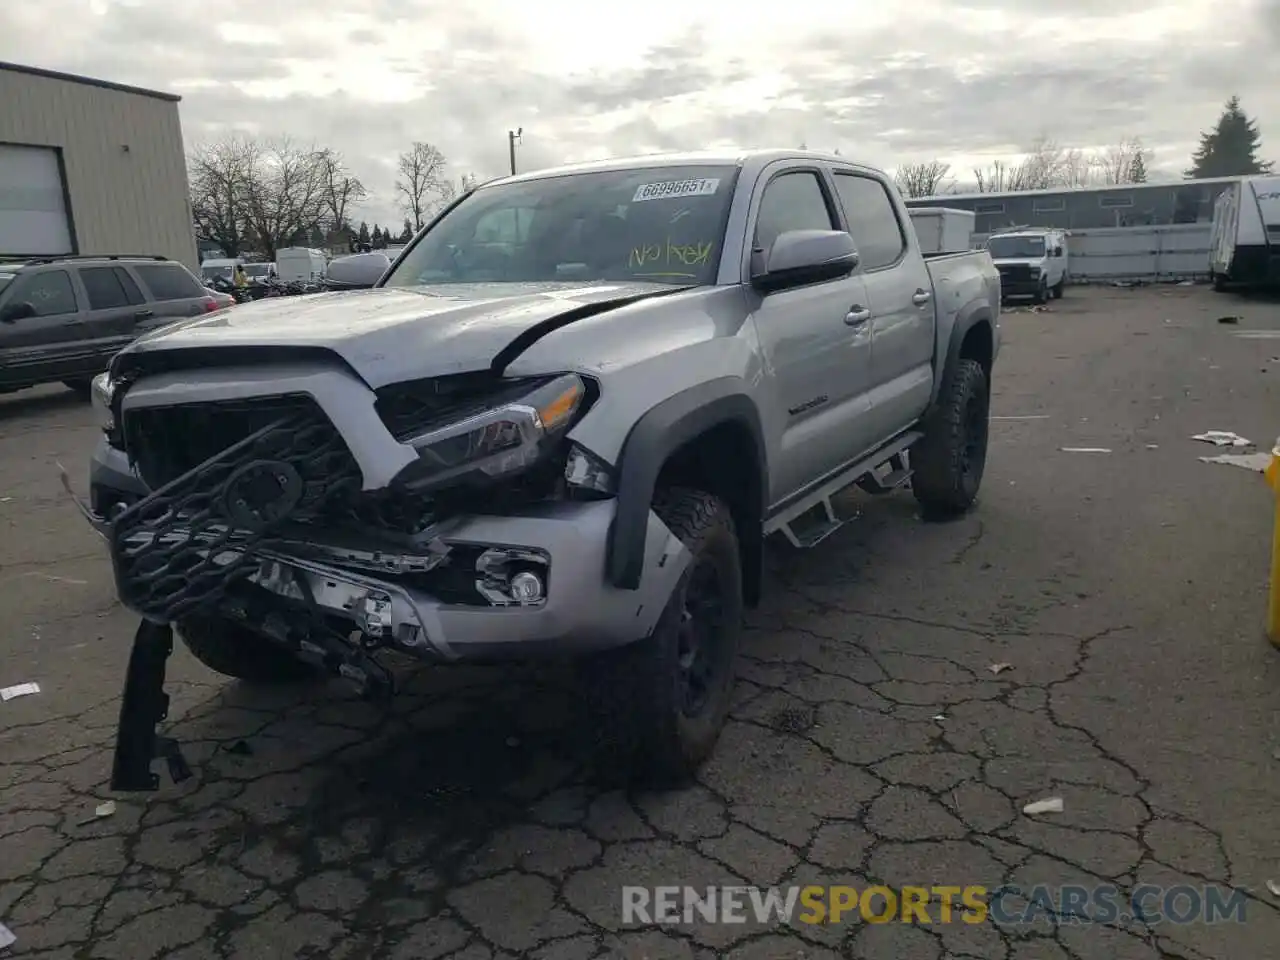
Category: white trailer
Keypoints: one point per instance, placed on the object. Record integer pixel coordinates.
(300, 264)
(1244, 242)
(943, 229)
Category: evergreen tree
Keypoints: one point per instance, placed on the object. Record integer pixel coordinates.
(407, 233)
(1138, 169)
(376, 237)
(363, 235)
(1231, 148)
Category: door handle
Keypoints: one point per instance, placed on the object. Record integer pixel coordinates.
(143, 314)
(857, 315)
(921, 297)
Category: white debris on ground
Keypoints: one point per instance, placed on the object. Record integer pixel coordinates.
(1051, 805)
(1249, 461)
(1274, 888)
(19, 690)
(1223, 438)
(999, 668)
(1086, 450)
(7, 939)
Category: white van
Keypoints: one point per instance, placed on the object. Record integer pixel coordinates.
(1032, 262)
(1244, 242)
(300, 264)
(219, 267)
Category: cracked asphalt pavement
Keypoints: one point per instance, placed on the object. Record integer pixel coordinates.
(870, 741)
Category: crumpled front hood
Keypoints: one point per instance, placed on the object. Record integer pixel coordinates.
(392, 335)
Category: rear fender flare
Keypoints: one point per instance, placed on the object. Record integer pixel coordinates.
(655, 436)
(968, 317)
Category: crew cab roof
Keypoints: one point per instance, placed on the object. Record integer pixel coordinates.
(720, 158)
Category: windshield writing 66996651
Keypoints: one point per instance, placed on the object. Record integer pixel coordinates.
(663, 224)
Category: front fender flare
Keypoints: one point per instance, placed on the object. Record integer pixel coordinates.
(652, 439)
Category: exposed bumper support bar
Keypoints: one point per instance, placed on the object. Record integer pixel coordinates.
(142, 708)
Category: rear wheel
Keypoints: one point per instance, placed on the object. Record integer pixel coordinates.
(663, 700)
(948, 463)
(235, 651)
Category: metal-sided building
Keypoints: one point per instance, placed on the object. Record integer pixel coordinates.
(1088, 208)
(90, 167)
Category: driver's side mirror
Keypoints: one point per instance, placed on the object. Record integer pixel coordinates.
(801, 257)
(1057, 251)
(17, 311)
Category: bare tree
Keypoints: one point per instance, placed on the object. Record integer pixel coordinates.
(219, 175)
(421, 180)
(341, 189)
(448, 191)
(922, 179)
(999, 177)
(286, 194)
(1120, 163)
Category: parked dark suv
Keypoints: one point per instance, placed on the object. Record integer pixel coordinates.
(63, 318)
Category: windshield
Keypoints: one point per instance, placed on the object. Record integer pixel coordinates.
(1015, 248)
(209, 273)
(4, 280)
(660, 223)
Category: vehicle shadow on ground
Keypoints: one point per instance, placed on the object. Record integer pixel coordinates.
(464, 745)
(30, 404)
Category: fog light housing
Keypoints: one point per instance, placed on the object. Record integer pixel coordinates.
(510, 577)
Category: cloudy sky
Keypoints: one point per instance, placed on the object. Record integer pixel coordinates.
(966, 81)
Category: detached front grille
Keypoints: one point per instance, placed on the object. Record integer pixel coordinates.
(224, 482)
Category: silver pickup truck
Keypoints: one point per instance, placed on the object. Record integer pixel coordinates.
(563, 422)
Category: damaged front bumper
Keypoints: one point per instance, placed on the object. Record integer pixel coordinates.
(467, 588)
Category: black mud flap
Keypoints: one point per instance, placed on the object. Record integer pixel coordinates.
(143, 707)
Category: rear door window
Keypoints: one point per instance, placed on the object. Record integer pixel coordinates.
(873, 222)
(130, 286)
(169, 281)
(104, 288)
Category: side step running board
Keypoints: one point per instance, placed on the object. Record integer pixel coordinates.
(898, 475)
(804, 535)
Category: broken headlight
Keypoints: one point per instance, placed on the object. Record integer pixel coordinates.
(588, 475)
(100, 395)
(498, 442)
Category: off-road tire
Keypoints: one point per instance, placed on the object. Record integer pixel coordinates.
(643, 731)
(81, 388)
(943, 480)
(1059, 288)
(236, 651)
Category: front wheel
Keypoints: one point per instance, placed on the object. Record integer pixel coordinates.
(663, 700)
(948, 462)
(236, 651)
(1042, 292)
(1060, 288)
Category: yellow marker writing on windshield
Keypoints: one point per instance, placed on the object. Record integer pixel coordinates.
(671, 254)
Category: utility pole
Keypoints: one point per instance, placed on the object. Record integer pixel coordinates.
(512, 137)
